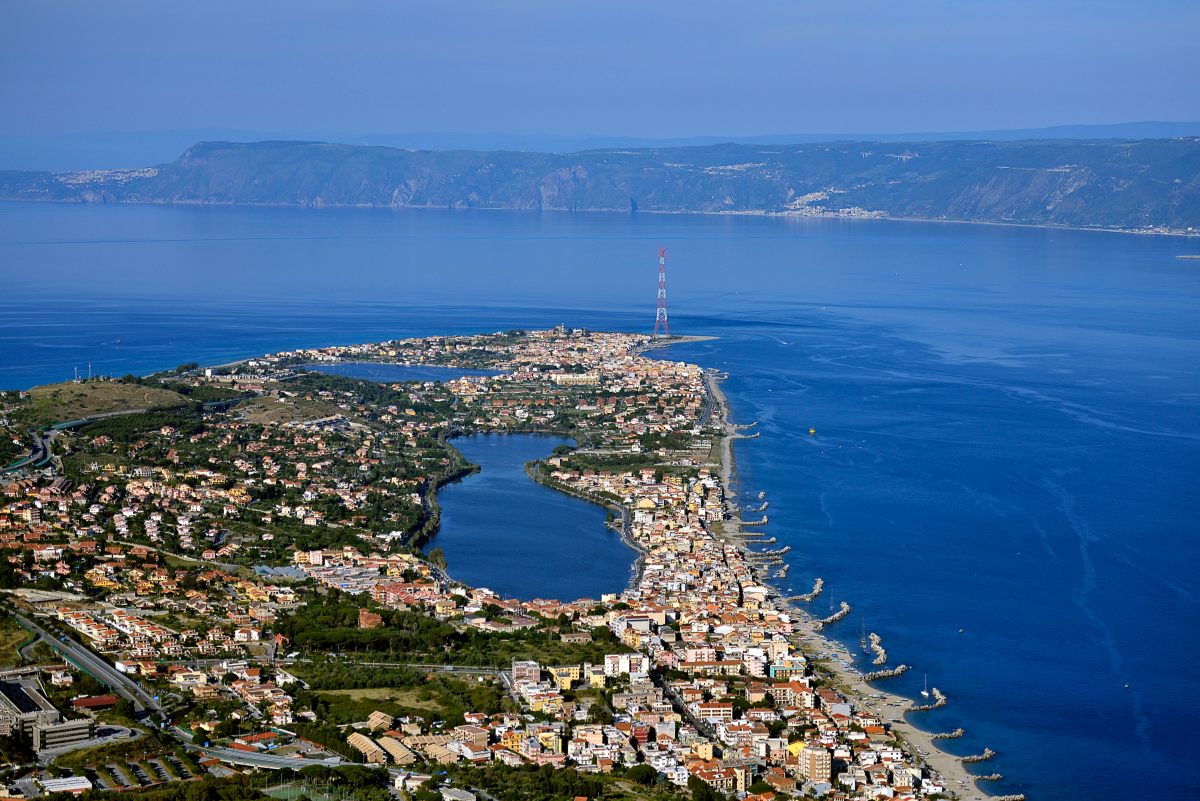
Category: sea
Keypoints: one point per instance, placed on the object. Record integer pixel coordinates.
(985, 438)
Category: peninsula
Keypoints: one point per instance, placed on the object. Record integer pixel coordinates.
(232, 555)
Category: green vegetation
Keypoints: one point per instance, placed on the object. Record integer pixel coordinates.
(546, 783)
(12, 637)
(16, 750)
(129, 427)
(341, 693)
(236, 788)
(147, 746)
(330, 625)
(56, 403)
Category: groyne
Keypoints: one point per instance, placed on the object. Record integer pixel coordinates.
(807, 597)
(986, 754)
(876, 675)
(877, 648)
(842, 611)
(948, 735)
(939, 701)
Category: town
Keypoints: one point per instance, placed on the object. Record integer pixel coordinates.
(245, 549)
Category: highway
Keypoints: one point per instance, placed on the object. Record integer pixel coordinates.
(103, 672)
(267, 760)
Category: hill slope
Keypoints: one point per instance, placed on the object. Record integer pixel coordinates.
(1135, 184)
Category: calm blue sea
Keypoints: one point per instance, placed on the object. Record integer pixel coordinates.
(1003, 478)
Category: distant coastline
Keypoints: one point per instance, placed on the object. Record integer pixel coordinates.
(766, 214)
(1055, 183)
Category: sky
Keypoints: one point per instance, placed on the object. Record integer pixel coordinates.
(651, 68)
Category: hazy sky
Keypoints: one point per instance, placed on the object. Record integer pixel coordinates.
(643, 68)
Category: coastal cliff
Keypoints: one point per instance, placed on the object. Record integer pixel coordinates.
(1149, 184)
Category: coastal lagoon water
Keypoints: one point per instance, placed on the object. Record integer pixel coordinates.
(502, 531)
(1003, 475)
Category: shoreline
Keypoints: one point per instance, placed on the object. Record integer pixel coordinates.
(946, 766)
(763, 213)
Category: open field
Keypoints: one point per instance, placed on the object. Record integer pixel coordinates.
(60, 402)
(273, 410)
(404, 697)
(12, 636)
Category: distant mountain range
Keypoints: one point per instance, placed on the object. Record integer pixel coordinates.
(127, 149)
(1102, 183)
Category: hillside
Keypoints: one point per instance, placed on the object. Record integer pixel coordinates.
(1126, 184)
(53, 403)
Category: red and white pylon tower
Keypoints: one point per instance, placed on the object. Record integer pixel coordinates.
(660, 319)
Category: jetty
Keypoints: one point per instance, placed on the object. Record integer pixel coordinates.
(948, 735)
(783, 571)
(981, 757)
(875, 675)
(818, 585)
(842, 611)
(876, 643)
(939, 701)
(762, 522)
(991, 777)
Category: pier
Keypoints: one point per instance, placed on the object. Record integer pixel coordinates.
(762, 522)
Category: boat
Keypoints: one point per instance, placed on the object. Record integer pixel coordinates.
(925, 692)
(862, 640)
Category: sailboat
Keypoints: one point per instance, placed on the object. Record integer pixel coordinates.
(862, 641)
(925, 692)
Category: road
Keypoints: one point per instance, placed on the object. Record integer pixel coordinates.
(103, 672)
(268, 760)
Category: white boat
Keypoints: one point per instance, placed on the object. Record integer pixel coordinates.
(925, 692)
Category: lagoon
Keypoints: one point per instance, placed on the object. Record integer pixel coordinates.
(502, 530)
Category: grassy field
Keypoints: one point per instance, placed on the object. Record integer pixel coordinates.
(61, 402)
(273, 410)
(12, 636)
(403, 697)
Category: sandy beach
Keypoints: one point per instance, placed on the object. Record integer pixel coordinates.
(890, 707)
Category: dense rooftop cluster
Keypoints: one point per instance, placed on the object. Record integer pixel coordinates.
(325, 484)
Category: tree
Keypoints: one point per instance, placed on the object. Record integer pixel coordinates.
(643, 775)
(700, 790)
(437, 557)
